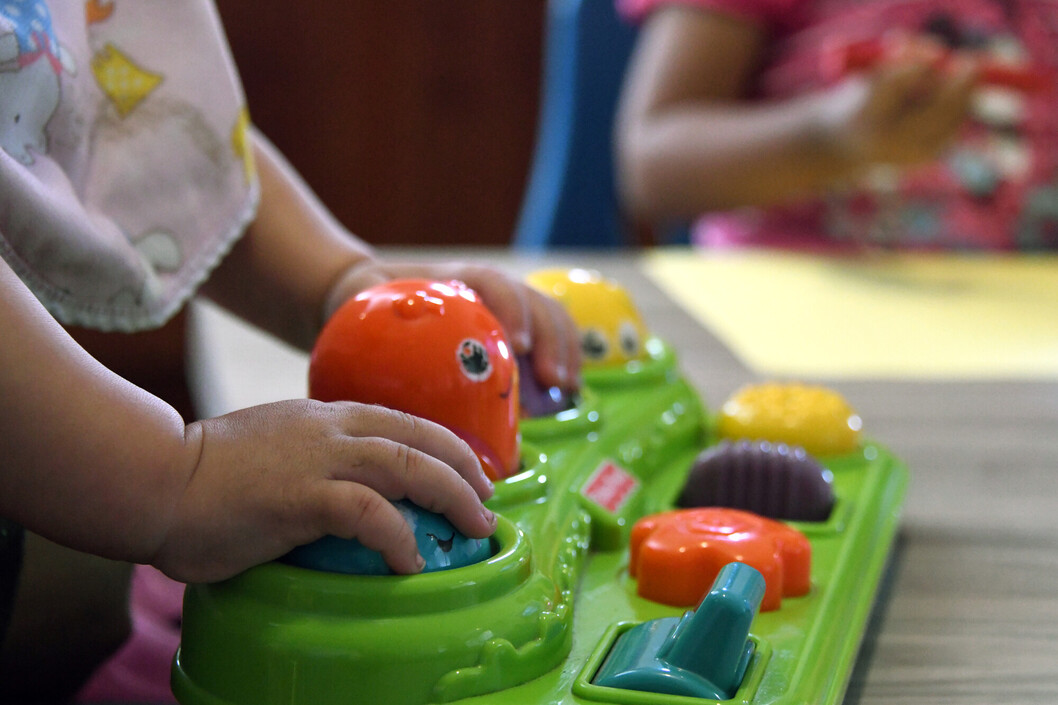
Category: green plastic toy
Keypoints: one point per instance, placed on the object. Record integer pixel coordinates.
(553, 613)
(648, 551)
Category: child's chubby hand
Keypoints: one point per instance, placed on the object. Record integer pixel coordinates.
(906, 110)
(270, 478)
(536, 325)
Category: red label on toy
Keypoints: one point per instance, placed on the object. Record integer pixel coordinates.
(610, 486)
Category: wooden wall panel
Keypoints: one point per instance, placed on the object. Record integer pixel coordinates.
(414, 120)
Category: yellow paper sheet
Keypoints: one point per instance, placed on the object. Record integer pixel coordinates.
(907, 315)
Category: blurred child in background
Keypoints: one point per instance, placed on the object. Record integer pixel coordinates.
(742, 112)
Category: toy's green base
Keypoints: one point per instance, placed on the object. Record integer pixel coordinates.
(279, 633)
(533, 623)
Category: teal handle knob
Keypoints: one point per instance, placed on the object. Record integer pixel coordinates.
(703, 654)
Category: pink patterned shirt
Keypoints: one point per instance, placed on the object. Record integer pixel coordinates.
(996, 188)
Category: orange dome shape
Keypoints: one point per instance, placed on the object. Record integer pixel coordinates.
(676, 555)
(431, 349)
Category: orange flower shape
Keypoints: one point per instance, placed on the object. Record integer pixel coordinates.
(677, 555)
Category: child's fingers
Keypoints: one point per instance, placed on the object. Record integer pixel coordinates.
(889, 127)
(508, 300)
(391, 431)
(556, 347)
(535, 323)
(397, 471)
(530, 322)
(941, 117)
(351, 510)
(502, 294)
(471, 518)
(402, 456)
(900, 86)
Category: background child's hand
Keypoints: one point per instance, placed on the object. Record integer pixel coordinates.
(534, 323)
(905, 111)
(273, 477)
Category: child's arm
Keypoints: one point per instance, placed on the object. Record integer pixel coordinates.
(99, 465)
(296, 264)
(688, 142)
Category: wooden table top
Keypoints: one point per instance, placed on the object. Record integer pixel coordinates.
(969, 614)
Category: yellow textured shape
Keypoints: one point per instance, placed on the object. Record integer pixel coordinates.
(816, 418)
(240, 143)
(124, 83)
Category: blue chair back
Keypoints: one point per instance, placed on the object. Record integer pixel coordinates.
(571, 199)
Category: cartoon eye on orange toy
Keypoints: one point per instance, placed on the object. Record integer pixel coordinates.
(431, 349)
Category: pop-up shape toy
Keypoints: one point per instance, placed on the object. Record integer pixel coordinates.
(703, 654)
(430, 349)
(440, 545)
(771, 479)
(612, 331)
(535, 621)
(427, 348)
(815, 418)
(675, 555)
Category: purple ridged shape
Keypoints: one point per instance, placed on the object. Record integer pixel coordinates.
(770, 479)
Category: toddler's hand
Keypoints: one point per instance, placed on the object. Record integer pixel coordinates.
(905, 111)
(535, 323)
(273, 477)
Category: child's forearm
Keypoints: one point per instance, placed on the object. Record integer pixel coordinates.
(296, 264)
(89, 460)
(711, 157)
(687, 139)
(280, 273)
